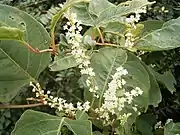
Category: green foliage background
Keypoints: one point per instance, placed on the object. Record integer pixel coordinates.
(65, 83)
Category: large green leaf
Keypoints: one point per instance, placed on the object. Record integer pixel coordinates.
(172, 128)
(38, 123)
(106, 12)
(63, 62)
(84, 15)
(19, 65)
(105, 63)
(165, 38)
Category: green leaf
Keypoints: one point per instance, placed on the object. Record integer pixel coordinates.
(96, 7)
(81, 115)
(104, 64)
(172, 128)
(167, 79)
(10, 33)
(19, 66)
(145, 123)
(97, 133)
(115, 27)
(155, 96)
(165, 38)
(63, 62)
(60, 14)
(106, 12)
(93, 32)
(38, 123)
(138, 77)
(84, 15)
(151, 25)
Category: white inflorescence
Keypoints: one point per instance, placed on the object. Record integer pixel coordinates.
(59, 103)
(113, 104)
(129, 42)
(74, 38)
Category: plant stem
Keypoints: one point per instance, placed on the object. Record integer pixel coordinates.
(31, 48)
(100, 34)
(107, 44)
(53, 43)
(20, 106)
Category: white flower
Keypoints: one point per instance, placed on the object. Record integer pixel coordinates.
(48, 92)
(88, 82)
(60, 108)
(34, 90)
(79, 107)
(168, 121)
(139, 91)
(86, 105)
(123, 82)
(45, 102)
(134, 108)
(123, 118)
(158, 125)
(37, 94)
(91, 90)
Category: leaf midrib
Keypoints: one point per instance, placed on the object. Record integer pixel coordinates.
(17, 65)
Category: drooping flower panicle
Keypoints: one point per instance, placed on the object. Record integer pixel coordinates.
(74, 38)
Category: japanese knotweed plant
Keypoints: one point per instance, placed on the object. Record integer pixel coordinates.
(117, 85)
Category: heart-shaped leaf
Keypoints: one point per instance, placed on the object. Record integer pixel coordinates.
(38, 123)
(19, 65)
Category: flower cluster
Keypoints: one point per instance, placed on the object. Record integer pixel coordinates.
(129, 40)
(132, 20)
(114, 104)
(56, 102)
(74, 38)
(135, 18)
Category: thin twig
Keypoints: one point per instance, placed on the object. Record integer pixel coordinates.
(37, 51)
(46, 50)
(20, 106)
(31, 48)
(107, 44)
(100, 34)
(53, 43)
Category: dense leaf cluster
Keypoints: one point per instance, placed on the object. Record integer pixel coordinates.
(65, 83)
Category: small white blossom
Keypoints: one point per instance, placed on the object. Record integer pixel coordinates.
(48, 92)
(123, 118)
(168, 121)
(86, 105)
(158, 125)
